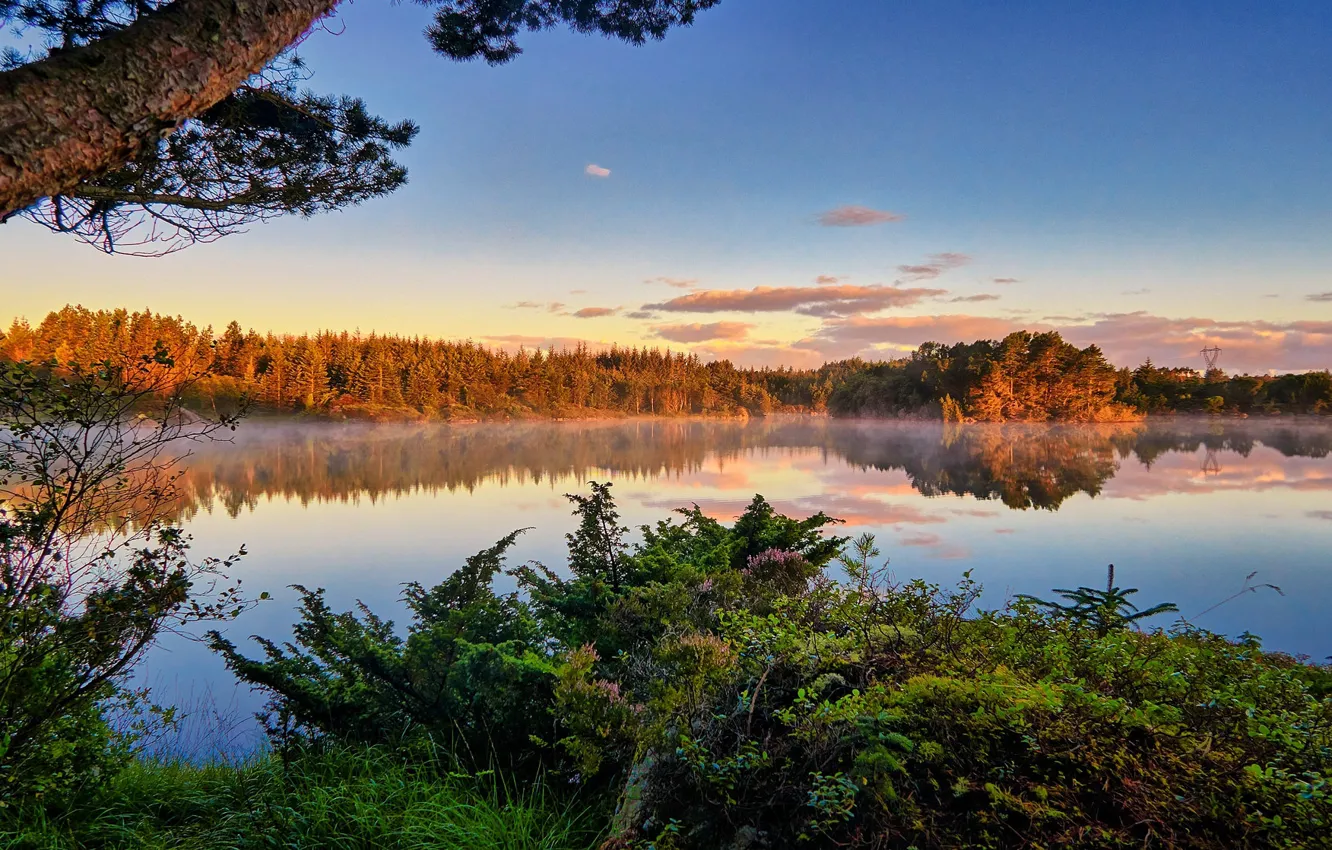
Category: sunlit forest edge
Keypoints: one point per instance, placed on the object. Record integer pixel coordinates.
(1031, 377)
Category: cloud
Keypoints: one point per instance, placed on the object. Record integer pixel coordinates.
(1004, 280)
(550, 307)
(982, 296)
(1005, 530)
(594, 312)
(703, 332)
(677, 282)
(1319, 296)
(855, 511)
(1143, 291)
(857, 216)
(937, 265)
(829, 279)
(594, 170)
(976, 512)
(920, 539)
(1320, 515)
(640, 314)
(840, 300)
(577, 291)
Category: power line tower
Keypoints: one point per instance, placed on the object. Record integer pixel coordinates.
(1211, 356)
(1211, 464)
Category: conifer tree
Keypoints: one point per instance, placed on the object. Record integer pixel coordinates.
(192, 121)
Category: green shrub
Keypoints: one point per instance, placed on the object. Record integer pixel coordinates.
(89, 573)
(877, 716)
(730, 693)
(469, 672)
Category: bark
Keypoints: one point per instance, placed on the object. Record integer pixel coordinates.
(81, 111)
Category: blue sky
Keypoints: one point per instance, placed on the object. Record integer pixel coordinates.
(1154, 176)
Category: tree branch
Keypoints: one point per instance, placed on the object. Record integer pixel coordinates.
(82, 111)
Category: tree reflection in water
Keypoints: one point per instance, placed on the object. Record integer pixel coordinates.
(1022, 466)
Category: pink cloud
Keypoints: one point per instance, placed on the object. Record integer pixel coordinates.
(919, 540)
(980, 296)
(703, 332)
(594, 170)
(594, 312)
(857, 216)
(854, 511)
(677, 282)
(842, 299)
(937, 265)
(551, 306)
(1004, 280)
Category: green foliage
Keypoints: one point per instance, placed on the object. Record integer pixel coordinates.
(469, 672)
(733, 695)
(881, 716)
(338, 797)
(1153, 389)
(1102, 610)
(89, 573)
(502, 678)
(597, 551)
(467, 29)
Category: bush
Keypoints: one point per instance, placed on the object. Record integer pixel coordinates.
(730, 693)
(468, 673)
(879, 715)
(89, 574)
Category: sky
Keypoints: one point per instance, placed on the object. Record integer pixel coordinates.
(789, 182)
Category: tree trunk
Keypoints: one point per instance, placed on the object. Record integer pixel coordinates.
(81, 111)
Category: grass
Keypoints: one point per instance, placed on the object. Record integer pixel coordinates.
(340, 799)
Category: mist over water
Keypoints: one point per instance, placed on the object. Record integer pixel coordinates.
(1185, 508)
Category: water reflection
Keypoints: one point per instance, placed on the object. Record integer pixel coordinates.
(1020, 466)
(1185, 508)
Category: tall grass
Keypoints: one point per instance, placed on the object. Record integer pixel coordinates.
(341, 799)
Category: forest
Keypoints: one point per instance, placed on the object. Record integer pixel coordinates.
(1025, 377)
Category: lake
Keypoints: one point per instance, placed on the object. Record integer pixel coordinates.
(1185, 509)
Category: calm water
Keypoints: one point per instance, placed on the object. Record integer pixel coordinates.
(1184, 509)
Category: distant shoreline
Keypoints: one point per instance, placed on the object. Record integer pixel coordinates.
(413, 417)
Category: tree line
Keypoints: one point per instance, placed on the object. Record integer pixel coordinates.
(1036, 377)
(378, 375)
(1023, 377)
